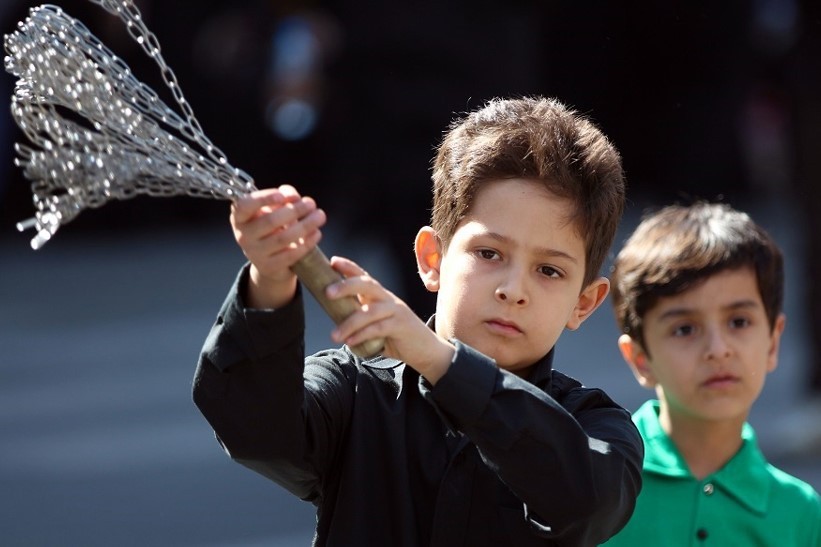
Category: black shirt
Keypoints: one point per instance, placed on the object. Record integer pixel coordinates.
(482, 458)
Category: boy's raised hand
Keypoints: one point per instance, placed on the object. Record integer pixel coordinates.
(384, 315)
(275, 227)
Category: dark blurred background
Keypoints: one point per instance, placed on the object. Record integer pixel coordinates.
(347, 100)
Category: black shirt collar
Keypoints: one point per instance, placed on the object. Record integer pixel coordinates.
(540, 372)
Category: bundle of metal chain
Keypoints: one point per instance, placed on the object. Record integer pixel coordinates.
(99, 134)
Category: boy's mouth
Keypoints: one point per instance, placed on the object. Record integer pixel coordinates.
(721, 381)
(503, 327)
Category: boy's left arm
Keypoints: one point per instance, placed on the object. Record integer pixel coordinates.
(574, 461)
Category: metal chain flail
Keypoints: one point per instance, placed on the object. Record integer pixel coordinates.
(97, 132)
(100, 134)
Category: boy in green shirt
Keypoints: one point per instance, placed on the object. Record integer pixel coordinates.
(698, 293)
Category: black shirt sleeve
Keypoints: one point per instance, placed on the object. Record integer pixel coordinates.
(249, 386)
(572, 456)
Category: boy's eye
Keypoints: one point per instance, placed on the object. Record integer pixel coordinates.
(739, 322)
(550, 271)
(683, 330)
(488, 254)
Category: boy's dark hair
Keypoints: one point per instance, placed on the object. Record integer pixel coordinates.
(532, 138)
(678, 247)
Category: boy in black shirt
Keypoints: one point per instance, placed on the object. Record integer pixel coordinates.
(461, 432)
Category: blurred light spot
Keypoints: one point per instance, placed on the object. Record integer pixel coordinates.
(295, 48)
(291, 120)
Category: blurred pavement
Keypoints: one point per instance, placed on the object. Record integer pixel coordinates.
(101, 444)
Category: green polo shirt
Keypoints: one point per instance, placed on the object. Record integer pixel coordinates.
(748, 502)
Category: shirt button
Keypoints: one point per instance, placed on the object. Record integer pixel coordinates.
(709, 488)
(701, 534)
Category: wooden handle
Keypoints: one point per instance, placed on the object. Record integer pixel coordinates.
(315, 272)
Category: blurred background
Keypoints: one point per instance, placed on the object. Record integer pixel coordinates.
(100, 330)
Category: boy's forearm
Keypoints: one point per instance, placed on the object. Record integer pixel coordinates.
(264, 293)
(436, 362)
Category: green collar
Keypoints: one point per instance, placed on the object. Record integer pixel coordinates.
(745, 477)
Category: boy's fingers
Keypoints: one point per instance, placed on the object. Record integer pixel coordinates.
(245, 208)
(355, 282)
(284, 257)
(302, 215)
(346, 267)
(288, 192)
(283, 233)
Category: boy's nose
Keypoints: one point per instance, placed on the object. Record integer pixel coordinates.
(512, 291)
(717, 346)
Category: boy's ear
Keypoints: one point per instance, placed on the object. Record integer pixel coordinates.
(590, 298)
(428, 251)
(775, 341)
(635, 356)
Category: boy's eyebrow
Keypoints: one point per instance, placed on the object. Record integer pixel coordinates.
(677, 312)
(540, 250)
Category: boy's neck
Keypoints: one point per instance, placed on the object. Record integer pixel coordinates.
(706, 446)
